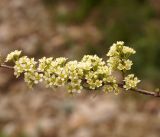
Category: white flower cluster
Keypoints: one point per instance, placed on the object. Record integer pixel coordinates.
(111, 87)
(13, 56)
(131, 82)
(99, 72)
(118, 56)
(90, 73)
(24, 64)
(74, 75)
(28, 67)
(32, 77)
(53, 70)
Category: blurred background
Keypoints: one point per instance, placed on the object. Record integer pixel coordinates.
(72, 28)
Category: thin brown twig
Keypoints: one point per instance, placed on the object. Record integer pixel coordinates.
(141, 91)
(6, 66)
(145, 92)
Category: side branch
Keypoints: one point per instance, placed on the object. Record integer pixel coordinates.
(141, 91)
(6, 66)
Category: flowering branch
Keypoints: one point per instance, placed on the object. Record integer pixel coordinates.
(141, 91)
(90, 73)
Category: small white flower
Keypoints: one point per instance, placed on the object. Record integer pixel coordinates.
(128, 50)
